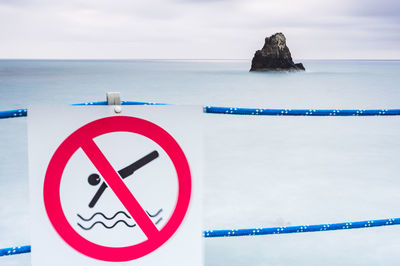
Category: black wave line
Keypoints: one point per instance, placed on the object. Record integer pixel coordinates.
(108, 227)
(105, 217)
(154, 215)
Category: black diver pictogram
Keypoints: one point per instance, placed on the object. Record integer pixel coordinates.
(94, 179)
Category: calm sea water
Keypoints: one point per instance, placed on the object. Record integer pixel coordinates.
(259, 171)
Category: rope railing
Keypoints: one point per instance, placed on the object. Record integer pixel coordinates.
(15, 250)
(300, 112)
(244, 111)
(122, 103)
(252, 111)
(261, 231)
(301, 228)
(13, 113)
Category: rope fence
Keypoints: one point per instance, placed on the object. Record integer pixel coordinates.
(300, 112)
(301, 228)
(15, 250)
(262, 112)
(244, 111)
(260, 231)
(13, 113)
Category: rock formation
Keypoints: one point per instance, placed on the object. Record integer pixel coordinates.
(274, 56)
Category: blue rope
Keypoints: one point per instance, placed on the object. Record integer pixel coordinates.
(301, 228)
(261, 231)
(91, 103)
(244, 111)
(300, 112)
(122, 103)
(24, 112)
(13, 113)
(15, 250)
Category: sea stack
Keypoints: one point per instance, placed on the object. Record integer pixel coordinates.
(274, 56)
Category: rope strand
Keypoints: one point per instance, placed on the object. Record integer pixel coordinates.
(261, 231)
(244, 111)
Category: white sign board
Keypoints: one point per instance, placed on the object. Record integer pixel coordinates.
(111, 188)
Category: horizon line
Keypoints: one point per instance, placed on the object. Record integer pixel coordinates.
(194, 59)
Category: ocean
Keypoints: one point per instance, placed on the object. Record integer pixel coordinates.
(259, 171)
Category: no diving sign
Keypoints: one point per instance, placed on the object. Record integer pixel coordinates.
(109, 188)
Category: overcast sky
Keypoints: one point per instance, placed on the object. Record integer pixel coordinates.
(198, 29)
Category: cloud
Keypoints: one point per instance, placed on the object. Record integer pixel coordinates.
(371, 8)
(196, 29)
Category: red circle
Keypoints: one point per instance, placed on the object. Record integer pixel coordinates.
(51, 190)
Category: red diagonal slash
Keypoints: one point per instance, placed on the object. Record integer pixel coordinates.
(116, 184)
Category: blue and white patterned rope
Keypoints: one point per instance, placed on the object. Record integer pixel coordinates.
(15, 250)
(24, 112)
(245, 111)
(301, 228)
(300, 112)
(13, 113)
(122, 103)
(262, 231)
